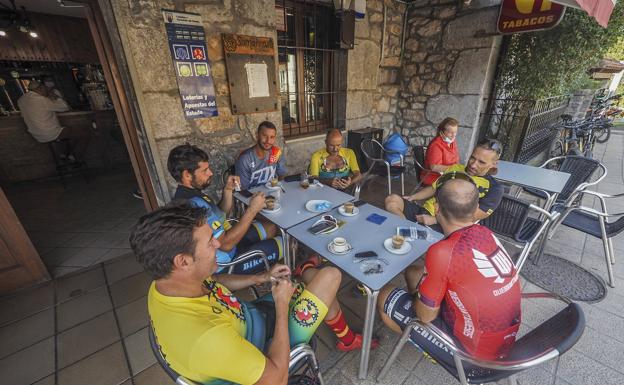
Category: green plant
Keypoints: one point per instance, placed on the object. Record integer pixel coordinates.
(555, 61)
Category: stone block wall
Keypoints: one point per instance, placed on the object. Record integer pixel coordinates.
(448, 66)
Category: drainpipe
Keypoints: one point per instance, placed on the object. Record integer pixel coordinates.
(383, 34)
(403, 32)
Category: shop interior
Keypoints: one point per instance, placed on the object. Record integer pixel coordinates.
(75, 216)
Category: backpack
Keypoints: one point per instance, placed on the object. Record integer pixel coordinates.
(395, 143)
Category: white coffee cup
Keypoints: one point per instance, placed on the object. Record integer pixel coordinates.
(340, 245)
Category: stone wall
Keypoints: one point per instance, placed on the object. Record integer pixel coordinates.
(448, 66)
(142, 32)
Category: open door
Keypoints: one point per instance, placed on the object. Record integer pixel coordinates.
(20, 265)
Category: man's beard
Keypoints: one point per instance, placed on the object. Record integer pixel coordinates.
(198, 186)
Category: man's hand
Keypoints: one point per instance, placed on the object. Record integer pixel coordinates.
(232, 182)
(276, 272)
(257, 202)
(346, 182)
(426, 219)
(408, 198)
(282, 291)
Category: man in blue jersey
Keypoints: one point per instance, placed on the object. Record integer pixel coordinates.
(262, 162)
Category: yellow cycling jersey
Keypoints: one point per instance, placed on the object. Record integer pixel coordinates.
(318, 166)
(203, 338)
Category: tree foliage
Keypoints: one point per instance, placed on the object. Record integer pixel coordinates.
(555, 61)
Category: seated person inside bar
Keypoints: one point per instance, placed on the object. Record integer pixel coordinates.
(480, 167)
(203, 330)
(335, 165)
(453, 290)
(38, 108)
(262, 162)
(188, 165)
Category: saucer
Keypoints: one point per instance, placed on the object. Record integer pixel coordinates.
(268, 185)
(311, 205)
(403, 250)
(342, 211)
(276, 208)
(330, 247)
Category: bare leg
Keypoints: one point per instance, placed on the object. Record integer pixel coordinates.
(394, 204)
(269, 228)
(383, 295)
(324, 284)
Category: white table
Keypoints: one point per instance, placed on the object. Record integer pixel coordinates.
(544, 179)
(364, 235)
(293, 211)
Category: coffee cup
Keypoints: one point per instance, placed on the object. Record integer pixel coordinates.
(348, 207)
(270, 203)
(274, 182)
(340, 245)
(397, 241)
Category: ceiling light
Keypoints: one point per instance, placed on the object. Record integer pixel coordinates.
(2, 33)
(33, 34)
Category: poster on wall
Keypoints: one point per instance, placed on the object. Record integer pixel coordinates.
(528, 15)
(187, 44)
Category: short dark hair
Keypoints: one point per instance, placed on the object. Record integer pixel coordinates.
(164, 233)
(492, 145)
(457, 204)
(266, 124)
(185, 157)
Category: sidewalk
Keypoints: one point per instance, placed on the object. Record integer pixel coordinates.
(91, 327)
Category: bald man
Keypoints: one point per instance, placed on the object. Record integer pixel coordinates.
(468, 275)
(334, 165)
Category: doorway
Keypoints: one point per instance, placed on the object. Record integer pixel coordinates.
(87, 219)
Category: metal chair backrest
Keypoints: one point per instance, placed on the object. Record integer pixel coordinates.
(419, 157)
(373, 151)
(615, 228)
(580, 169)
(509, 218)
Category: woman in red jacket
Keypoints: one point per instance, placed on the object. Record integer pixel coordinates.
(442, 151)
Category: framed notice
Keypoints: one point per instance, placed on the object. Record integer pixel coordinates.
(250, 63)
(528, 15)
(187, 44)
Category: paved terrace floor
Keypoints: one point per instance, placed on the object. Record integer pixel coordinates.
(90, 327)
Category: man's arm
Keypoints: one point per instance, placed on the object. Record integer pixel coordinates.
(421, 195)
(236, 282)
(237, 232)
(434, 282)
(227, 198)
(243, 171)
(57, 105)
(424, 312)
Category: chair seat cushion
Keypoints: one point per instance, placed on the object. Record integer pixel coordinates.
(585, 222)
(536, 192)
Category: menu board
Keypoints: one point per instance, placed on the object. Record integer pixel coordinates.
(187, 43)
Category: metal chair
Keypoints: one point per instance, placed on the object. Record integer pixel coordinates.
(418, 154)
(511, 220)
(300, 356)
(580, 169)
(593, 222)
(374, 153)
(549, 340)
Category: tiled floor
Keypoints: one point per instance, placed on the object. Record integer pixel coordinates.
(89, 327)
(82, 225)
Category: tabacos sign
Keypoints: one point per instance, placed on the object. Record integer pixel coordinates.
(528, 15)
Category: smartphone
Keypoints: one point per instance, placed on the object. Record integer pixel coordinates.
(365, 254)
(246, 193)
(412, 233)
(321, 227)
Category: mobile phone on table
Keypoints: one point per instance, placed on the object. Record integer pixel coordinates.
(412, 233)
(321, 227)
(246, 193)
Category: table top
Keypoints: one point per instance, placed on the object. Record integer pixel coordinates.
(531, 176)
(293, 201)
(364, 235)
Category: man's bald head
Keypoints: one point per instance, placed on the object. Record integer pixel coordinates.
(333, 134)
(333, 141)
(458, 200)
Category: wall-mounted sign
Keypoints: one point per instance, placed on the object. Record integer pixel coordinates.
(187, 43)
(280, 19)
(528, 15)
(250, 63)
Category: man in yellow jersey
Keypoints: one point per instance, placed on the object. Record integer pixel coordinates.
(205, 333)
(335, 165)
(481, 166)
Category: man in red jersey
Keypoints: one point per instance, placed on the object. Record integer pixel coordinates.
(468, 286)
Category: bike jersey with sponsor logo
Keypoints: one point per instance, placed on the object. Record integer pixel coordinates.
(471, 276)
(254, 171)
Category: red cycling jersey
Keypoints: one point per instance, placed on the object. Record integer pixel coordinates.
(472, 277)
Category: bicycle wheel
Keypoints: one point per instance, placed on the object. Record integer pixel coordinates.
(603, 134)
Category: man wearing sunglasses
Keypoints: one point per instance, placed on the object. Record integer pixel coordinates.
(480, 167)
(468, 285)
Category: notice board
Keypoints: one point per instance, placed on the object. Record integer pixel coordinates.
(187, 44)
(250, 64)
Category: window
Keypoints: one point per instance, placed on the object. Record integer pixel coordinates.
(305, 63)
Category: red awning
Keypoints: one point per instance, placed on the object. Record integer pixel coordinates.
(598, 9)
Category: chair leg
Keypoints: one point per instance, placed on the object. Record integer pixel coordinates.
(389, 184)
(402, 184)
(607, 251)
(460, 370)
(395, 353)
(610, 242)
